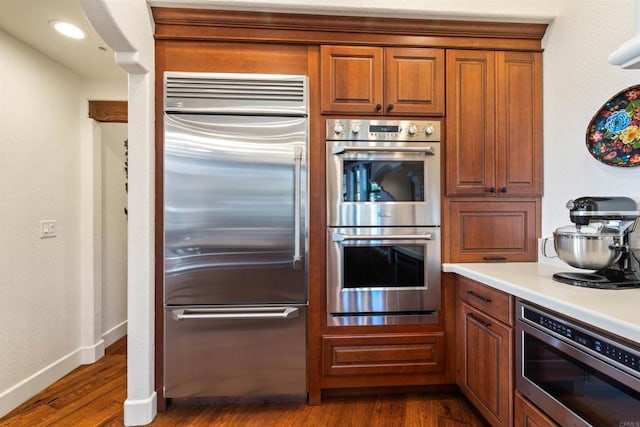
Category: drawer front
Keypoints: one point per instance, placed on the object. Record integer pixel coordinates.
(493, 231)
(496, 304)
(526, 414)
(383, 354)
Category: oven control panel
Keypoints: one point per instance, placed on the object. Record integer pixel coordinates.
(383, 130)
(604, 346)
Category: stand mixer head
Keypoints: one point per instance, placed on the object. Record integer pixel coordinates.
(616, 213)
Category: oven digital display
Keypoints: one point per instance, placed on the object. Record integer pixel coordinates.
(383, 128)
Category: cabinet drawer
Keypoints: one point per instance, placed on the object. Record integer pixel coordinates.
(383, 354)
(494, 303)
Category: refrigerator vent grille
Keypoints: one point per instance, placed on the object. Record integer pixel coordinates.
(210, 91)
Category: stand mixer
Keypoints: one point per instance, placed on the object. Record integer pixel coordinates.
(600, 241)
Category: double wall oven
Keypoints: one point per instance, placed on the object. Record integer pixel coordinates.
(383, 217)
(576, 374)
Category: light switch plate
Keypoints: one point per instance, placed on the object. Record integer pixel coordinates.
(48, 228)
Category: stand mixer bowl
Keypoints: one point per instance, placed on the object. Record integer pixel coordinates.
(582, 248)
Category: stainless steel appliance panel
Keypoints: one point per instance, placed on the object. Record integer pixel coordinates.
(236, 353)
(235, 192)
(236, 93)
(577, 376)
(383, 271)
(385, 174)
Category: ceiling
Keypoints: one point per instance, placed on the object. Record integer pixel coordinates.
(28, 21)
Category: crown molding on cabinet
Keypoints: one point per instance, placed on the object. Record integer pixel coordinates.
(206, 24)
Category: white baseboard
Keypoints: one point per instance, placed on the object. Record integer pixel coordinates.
(93, 353)
(140, 412)
(114, 334)
(29, 387)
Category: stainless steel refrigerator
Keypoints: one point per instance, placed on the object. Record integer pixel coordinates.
(235, 236)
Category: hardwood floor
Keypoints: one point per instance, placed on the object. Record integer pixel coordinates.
(93, 395)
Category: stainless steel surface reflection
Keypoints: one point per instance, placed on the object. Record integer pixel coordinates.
(385, 174)
(590, 251)
(252, 358)
(383, 221)
(235, 236)
(577, 375)
(229, 209)
(382, 272)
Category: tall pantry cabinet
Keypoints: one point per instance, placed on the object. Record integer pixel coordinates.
(493, 179)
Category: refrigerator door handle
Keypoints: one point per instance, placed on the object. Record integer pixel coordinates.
(341, 149)
(297, 255)
(337, 237)
(239, 313)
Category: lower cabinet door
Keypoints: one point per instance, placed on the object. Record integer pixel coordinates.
(528, 415)
(485, 364)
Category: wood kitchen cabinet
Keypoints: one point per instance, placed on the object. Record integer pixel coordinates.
(354, 64)
(494, 123)
(526, 414)
(504, 230)
(484, 365)
(376, 80)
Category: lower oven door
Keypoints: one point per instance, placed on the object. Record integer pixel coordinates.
(570, 385)
(383, 271)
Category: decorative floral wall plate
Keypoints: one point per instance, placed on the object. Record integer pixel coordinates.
(613, 135)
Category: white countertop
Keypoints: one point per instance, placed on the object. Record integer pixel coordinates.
(616, 311)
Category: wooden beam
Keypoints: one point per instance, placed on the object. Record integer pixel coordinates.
(109, 111)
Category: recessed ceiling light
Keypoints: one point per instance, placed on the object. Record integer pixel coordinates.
(67, 29)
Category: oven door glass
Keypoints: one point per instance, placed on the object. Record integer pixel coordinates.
(383, 270)
(596, 398)
(377, 186)
(382, 181)
(383, 266)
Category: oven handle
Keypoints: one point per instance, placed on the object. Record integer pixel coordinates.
(337, 237)
(340, 149)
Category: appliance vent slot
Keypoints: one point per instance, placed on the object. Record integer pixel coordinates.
(239, 93)
(236, 89)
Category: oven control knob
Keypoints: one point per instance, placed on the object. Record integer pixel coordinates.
(429, 130)
(337, 128)
(412, 130)
(355, 129)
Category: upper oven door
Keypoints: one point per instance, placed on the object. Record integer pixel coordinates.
(383, 183)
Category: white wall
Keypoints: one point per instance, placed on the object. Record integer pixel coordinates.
(40, 105)
(114, 232)
(43, 287)
(578, 80)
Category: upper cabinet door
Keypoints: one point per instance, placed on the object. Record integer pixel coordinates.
(382, 81)
(519, 123)
(470, 146)
(351, 79)
(494, 123)
(414, 81)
